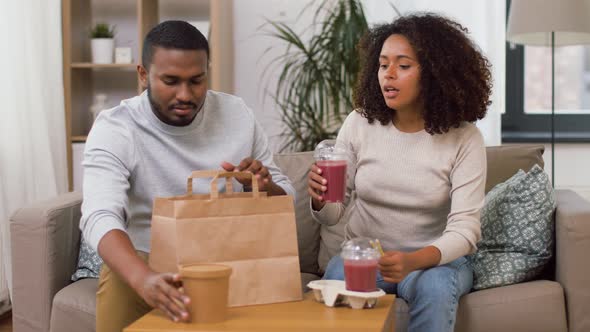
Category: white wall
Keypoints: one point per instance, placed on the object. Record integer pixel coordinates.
(122, 84)
(572, 160)
(485, 20)
(251, 43)
(572, 165)
(486, 29)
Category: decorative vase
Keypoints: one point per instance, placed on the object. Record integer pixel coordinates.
(102, 50)
(97, 106)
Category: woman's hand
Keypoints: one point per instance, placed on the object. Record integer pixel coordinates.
(316, 186)
(395, 266)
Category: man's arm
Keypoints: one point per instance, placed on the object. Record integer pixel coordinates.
(108, 160)
(159, 290)
(261, 173)
(260, 163)
(275, 190)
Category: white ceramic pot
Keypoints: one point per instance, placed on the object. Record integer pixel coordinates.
(102, 50)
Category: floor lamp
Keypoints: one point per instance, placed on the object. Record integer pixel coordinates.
(549, 23)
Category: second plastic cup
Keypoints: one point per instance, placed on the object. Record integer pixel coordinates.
(360, 265)
(332, 158)
(207, 285)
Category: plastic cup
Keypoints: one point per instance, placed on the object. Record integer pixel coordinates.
(332, 158)
(207, 285)
(360, 265)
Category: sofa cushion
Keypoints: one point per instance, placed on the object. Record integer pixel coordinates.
(89, 263)
(505, 160)
(296, 166)
(74, 307)
(331, 238)
(530, 306)
(517, 231)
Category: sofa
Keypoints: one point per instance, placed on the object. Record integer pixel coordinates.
(45, 240)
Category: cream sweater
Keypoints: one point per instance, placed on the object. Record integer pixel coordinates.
(412, 190)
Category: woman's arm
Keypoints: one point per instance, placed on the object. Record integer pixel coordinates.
(468, 177)
(396, 265)
(331, 213)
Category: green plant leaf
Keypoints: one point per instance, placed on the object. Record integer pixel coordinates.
(102, 30)
(316, 74)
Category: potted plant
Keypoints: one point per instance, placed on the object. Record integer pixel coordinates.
(317, 74)
(314, 90)
(102, 43)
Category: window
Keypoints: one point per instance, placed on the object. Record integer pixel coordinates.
(528, 94)
(572, 73)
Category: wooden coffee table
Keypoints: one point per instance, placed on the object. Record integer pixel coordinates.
(306, 315)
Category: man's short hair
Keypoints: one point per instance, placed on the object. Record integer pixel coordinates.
(172, 35)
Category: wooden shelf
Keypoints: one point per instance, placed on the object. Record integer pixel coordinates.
(88, 65)
(83, 79)
(78, 139)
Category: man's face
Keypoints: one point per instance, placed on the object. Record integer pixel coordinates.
(176, 84)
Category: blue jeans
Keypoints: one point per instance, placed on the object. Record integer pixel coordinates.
(432, 294)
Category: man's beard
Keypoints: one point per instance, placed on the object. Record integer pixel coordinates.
(156, 107)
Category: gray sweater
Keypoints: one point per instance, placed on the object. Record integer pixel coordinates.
(131, 157)
(412, 190)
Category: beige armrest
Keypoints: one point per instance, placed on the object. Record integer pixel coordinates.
(44, 238)
(572, 223)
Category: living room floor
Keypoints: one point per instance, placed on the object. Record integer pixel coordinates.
(6, 323)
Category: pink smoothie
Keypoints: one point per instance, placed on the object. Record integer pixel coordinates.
(360, 275)
(334, 171)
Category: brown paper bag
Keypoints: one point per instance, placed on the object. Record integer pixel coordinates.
(251, 232)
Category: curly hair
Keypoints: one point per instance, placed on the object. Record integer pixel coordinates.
(455, 78)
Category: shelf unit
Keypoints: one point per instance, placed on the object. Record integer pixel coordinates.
(133, 19)
(102, 66)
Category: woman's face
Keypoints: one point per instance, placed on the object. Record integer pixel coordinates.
(399, 75)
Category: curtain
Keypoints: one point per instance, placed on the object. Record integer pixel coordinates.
(486, 21)
(32, 123)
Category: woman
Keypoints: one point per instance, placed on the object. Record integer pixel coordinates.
(418, 163)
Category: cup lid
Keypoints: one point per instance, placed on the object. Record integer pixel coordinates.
(330, 149)
(359, 248)
(205, 271)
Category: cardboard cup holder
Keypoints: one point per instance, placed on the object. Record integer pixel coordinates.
(334, 293)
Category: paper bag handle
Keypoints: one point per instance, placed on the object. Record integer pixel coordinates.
(219, 174)
(204, 174)
(228, 176)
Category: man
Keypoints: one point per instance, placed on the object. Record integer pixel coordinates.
(146, 147)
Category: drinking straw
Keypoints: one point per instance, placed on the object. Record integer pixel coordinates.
(379, 247)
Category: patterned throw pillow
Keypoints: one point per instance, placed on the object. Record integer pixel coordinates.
(517, 231)
(89, 263)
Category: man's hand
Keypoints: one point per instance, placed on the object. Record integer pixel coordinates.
(395, 266)
(162, 291)
(260, 172)
(159, 290)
